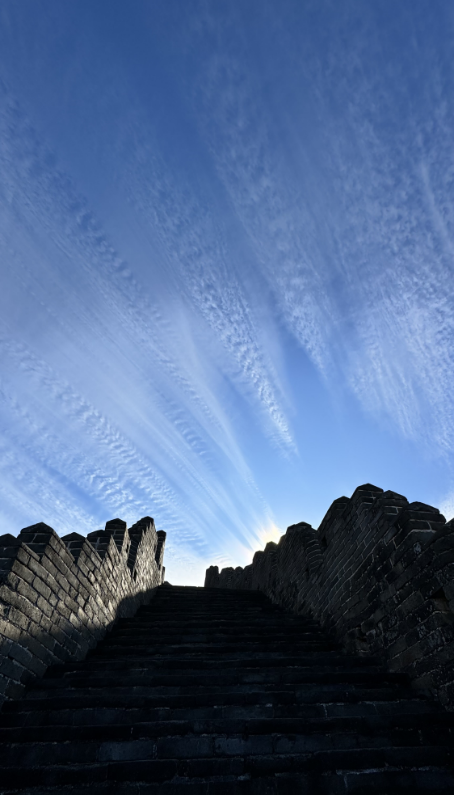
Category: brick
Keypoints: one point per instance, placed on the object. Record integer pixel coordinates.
(8, 630)
(22, 571)
(41, 587)
(44, 606)
(11, 669)
(5, 646)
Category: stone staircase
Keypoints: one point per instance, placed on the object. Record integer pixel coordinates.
(219, 691)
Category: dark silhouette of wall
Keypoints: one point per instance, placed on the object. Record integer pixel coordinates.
(378, 572)
(59, 596)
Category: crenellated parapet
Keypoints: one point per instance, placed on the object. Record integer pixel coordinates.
(378, 573)
(59, 596)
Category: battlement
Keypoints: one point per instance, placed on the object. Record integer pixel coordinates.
(59, 596)
(378, 572)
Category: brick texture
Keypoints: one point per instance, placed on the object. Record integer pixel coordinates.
(378, 572)
(59, 596)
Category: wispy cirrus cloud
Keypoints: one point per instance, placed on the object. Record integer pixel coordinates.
(357, 241)
(205, 273)
(176, 442)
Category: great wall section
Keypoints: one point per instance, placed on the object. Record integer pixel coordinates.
(59, 596)
(325, 667)
(378, 573)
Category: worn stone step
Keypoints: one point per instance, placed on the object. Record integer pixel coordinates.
(166, 634)
(91, 716)
(220, 644)
(434, 781)
(223, 614)
(212, 601)
(243, 695)
(156, 618)
(139, 667)
(223, 652)
(134, 761)
(243, 616)
(215, 595)
(215, 691)
(378, 728)
(220, 652)
(207, 627)
(189, 746)
(216, 640)
(259, 633)
(212, 695)
(187, 592)
(239, 634)
(325, 660)
(263, 624)
(230, 677)
(207, 602)
(239, 617)
(212, 605)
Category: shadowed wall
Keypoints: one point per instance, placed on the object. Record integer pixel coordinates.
(378, 572)
(58, 596)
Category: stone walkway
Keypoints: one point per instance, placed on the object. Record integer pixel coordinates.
(209, 691)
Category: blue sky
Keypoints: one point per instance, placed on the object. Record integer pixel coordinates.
(227, 254)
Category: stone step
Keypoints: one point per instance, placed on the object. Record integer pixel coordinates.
(207, 678)
(209, 595)
(261, 634)
(139, 667)
(225, 631)
(138, 697)
(214, 649)
(192, 746)
(209, 622)
(157, 611)
(218, 634)
(217, 637)
(433, 781)
(209, 625)
(414, 729)
(233, 617)
(200, 593)
(154, 615)
(113, 762)
(325, 660)
(205, 601)
(240, 615)
(101, 716)
(210, 691)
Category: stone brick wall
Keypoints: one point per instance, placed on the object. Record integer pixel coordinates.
(378, 572)
(58, 596)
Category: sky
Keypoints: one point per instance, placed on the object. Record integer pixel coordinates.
(226, 264)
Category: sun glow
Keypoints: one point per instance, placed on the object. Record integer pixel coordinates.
(267, 533)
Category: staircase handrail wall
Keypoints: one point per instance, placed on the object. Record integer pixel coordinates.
(378, 573)
(59, 596)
